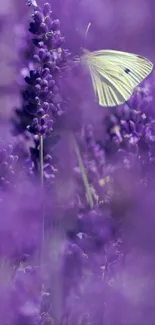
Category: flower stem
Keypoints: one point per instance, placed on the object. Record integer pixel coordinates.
(41, 147)
(83, 173)
(41, 161)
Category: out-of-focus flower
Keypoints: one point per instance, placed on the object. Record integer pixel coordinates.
(97, 170)
(8, 166)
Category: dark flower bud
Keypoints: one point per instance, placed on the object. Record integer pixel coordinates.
(45, 72)
(132, 126)
(38, 80)
(51, 106)
(41, 112)
(33, 28)
(47, 57)
(45, 106)
(50, 123)
(48, 158)
(43, 28)
(46, 9)
(36, 58)
(48, 22)
(44, 93)
(125, 126)
(44, 83)
(59, 41)
(40, 44)
(113, 120)
(37, 99)
(35, 121)
(56, 24)
(38, 129)
(28, 80)
(32, 73)
(43, 129)
(38, 17)
(126, 112)
(134, 115)
(37, 87)
(43, 121)
(41, 53)
(32, 3)
(50, 95)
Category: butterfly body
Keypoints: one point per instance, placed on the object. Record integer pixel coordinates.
(115, 74)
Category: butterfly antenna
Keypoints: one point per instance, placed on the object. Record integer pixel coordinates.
(87, 29)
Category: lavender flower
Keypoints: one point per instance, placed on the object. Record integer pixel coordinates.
(8, 166)
(42, 99)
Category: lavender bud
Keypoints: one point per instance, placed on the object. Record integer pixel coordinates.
(47, 57)
(38, 80)
(43, 121)
(43, 129)
(37, 100)
(38, 17)
(40, 112)
(50, 65)
(44, 93)
(46, 106)
(36, 58)
(43, 28)
(35, 121)
(46, 9)
(45, 72)
(59, 42)
(44, 83)
(56, 24)
(48, 158)
(37, 87)
(41, 53)
(38, 129)
(28, 80)
(32, 3)
(48, 22)
(125, 126)
(132, 126)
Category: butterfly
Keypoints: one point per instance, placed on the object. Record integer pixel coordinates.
(115, 74)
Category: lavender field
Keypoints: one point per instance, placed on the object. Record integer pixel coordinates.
(77, 180)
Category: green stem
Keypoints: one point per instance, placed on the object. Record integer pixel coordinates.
(83, 173)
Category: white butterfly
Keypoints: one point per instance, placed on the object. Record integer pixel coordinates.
(115, 74)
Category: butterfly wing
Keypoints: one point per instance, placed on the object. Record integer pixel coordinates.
(115, 74)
